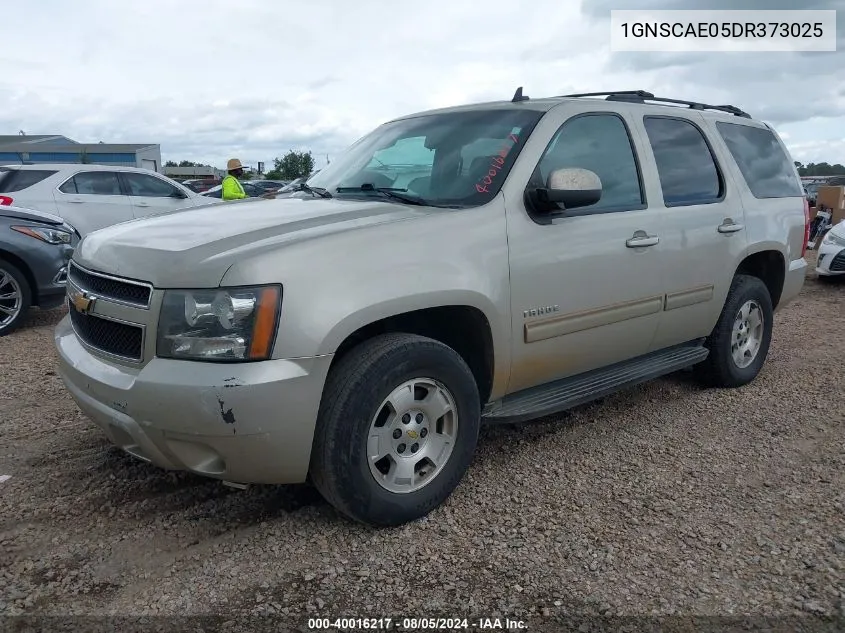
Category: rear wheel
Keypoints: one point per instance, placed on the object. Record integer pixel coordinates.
(740, 341)
(15, 298)
(397, 429)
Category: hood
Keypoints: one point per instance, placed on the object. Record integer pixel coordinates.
(31, 215)
(195, 248)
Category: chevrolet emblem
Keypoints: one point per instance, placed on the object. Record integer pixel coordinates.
(82, 302)
(412, 435)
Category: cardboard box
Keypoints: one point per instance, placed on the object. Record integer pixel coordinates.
(837, 215)
(831, 197)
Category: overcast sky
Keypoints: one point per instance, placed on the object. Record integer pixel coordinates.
(208, 79)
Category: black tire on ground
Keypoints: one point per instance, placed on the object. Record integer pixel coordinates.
(354, 390)
(720, 369)
(26, 292)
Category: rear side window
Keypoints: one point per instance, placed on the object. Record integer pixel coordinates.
(685, 164)
(761, 160)
(20, 179)
(98, 183)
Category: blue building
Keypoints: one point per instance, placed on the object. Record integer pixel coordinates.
(54, 148)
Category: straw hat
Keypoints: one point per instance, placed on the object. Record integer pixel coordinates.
(233, 164)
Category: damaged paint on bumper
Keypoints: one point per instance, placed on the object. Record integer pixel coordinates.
(242, 422)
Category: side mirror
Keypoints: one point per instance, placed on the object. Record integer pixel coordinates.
(571, 188)
(179, 195)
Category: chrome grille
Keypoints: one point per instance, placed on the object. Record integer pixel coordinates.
(134, 293)
(108, 336)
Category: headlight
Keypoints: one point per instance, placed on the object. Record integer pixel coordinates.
(225, 324)
(833, 240)
(51, 236)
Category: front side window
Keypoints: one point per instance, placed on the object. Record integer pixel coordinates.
(98, 183)
(148, 186)
(455, 159)
(600, 143)
(761, 160)
(686, 167)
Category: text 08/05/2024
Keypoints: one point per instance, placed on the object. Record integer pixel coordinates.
(414, 624)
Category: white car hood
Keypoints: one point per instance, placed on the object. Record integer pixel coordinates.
(839, 230)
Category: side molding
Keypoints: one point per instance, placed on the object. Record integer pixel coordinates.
(691, 296)
(578, 321)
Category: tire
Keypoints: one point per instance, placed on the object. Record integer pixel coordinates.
(13, 282)
(721, 368)
(353, 404)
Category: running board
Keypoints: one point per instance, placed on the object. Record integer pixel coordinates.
(560, 395)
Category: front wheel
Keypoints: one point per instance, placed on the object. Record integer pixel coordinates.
(15, 298)
(740, 341)
(397, 429)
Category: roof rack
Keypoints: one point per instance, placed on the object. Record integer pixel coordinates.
(641, 96)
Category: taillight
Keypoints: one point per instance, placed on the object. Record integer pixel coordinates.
(806, 227)
(6, 201)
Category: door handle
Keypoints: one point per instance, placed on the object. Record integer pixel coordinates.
(73, 201)
(142, 204)
(729, 226)
(640, 239)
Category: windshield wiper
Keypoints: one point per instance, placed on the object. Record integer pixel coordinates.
(390, 192)
(314, 191)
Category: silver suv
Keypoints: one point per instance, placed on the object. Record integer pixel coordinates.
(485, 263)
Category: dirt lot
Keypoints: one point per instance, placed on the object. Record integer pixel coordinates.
(665, 499)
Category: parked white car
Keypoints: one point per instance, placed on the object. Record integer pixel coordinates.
(831, 260)
(91, 197)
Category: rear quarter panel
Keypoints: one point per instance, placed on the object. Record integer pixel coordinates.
(775, 224)
(39, 196)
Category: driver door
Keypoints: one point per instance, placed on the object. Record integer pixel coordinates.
(586, 283)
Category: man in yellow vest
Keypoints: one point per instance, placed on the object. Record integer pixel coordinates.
(232, 188)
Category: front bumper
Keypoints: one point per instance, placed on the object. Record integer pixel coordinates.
(50, 272)
(245, 422)
(793, 282)
(830, 261)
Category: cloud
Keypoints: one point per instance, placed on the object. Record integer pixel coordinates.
(255, 78)
(784, 89)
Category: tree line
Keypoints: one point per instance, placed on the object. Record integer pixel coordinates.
(819, 169)
(293, 165)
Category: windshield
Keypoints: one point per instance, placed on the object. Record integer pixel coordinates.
(458, 159)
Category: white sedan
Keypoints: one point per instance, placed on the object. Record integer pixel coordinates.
(831, 260)
(91, 197)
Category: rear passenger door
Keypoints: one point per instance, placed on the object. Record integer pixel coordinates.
(151, 195)
(703, 225)
(92, 200)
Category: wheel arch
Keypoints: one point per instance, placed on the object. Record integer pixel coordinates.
(768, 263)
(464, 327)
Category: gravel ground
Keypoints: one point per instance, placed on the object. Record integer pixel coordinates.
(664, 499)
